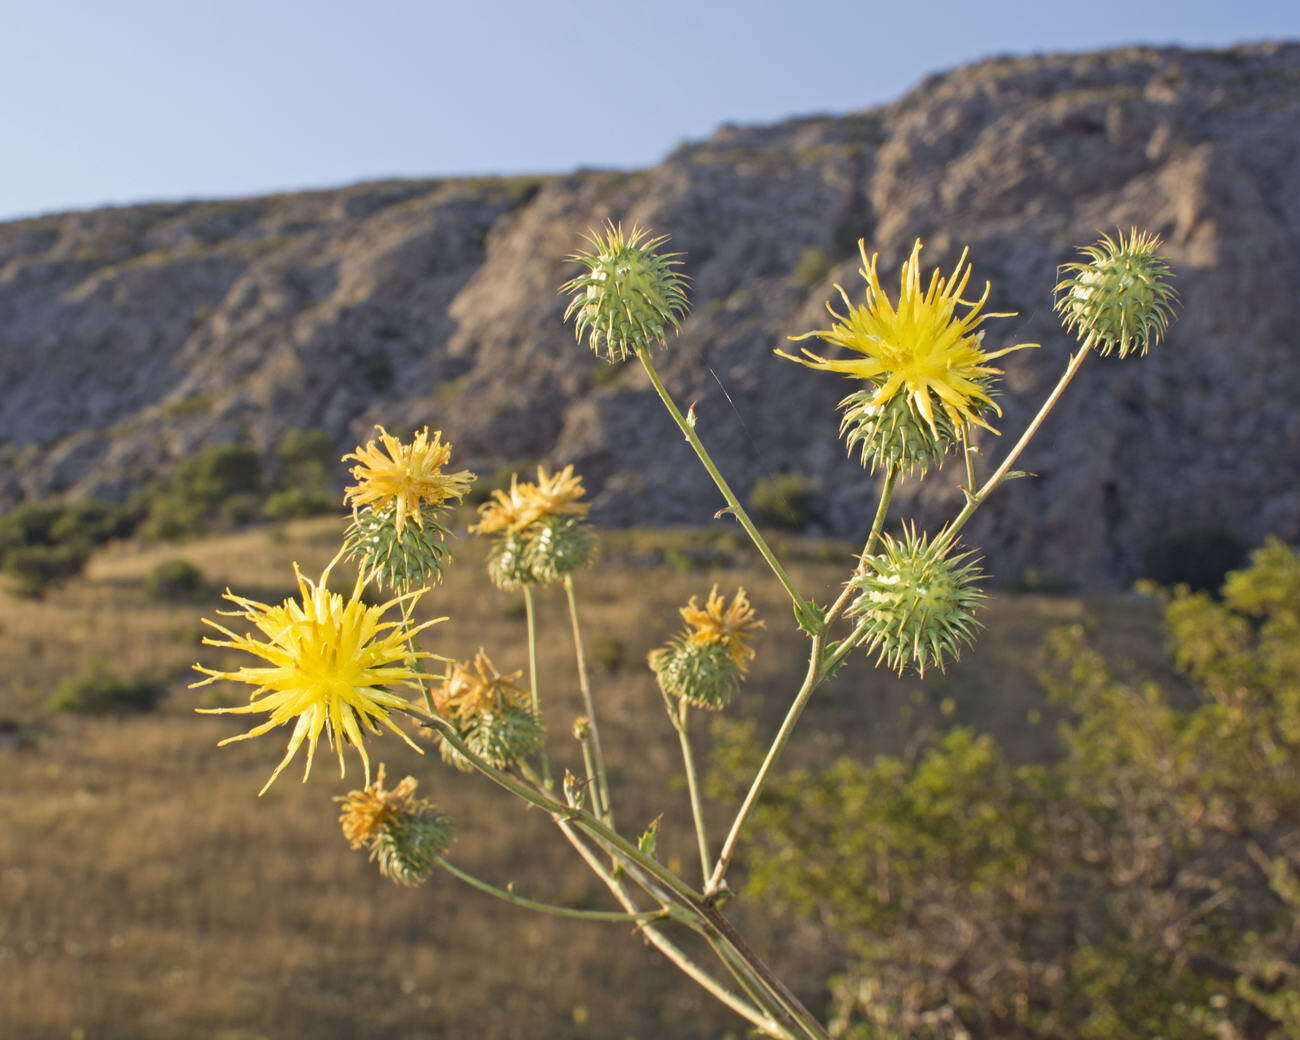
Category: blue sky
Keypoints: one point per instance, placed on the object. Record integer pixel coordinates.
(130, 100)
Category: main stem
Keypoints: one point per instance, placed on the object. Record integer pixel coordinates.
(531, 618)
(584, 684)
(692, 783)
(688, 430)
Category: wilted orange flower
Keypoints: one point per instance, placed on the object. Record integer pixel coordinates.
(731, 624)
(524, 503)
(477, 688)
(366, 811)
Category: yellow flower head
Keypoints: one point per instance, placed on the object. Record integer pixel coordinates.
(328, 661)
(922, 348)
(469, 690)
(404, 477)
(731, 624)
(367, 811)
(523, 504)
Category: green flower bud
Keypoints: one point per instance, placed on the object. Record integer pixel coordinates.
(501, 738)
(918, 601)
(408, 846)
(557, 545)
(629, 296)
(413, 558)
(1120, 299)
(507, 563)
(703, 675)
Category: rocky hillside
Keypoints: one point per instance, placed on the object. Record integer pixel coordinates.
(130, 336)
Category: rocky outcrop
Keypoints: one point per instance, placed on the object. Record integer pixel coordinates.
(130, 336)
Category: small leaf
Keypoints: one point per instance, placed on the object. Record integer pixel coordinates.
(723, 512)
(1016, 474)
(646, 843)
(809, 617)
(690, 416)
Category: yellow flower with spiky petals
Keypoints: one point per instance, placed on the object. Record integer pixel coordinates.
(367, 811)
(404, 477)
(731, 624)
(329, 661)
(470, 689)
(524, 503)
(922, 348)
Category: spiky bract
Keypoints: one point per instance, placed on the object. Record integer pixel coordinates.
(894, 433)
(630, 296)
(704, 675)
(330, 662)
(404, 478)
(1120, 299)
(918, 600)
(398, 559)
(405, 834)
(921, 350)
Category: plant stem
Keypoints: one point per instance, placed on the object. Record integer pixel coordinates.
(975, 499)
(531, 618)
(408, 609)
(584, 684)
(692, 783)
(877, 525)
(550, 908)
(810, 683)
(688, 430)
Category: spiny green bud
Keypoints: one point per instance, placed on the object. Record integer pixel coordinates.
(407, 847)
(703, 675)
(629, 296)
(507, 563)
(501, 738)
(557, 545)
(918, 601)
(1120, 299)
(581, 728)
(413, 558)
(894, 432)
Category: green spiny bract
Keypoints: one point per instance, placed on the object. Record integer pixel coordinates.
(400, 562)
(500, 738)
(407, 847)
(557, 545)
(629, 296)
(918, 602)
(704, 676)
(507, 564)
(895, 433)
(1120, 299)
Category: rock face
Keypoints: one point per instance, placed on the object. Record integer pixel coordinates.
(131, 336)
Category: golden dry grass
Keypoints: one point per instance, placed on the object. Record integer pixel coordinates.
(146, 892)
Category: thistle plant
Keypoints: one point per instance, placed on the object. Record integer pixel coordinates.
(923, 378)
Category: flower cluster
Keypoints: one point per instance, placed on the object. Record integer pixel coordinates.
(404, 834)
(706, 662)
(540, 534)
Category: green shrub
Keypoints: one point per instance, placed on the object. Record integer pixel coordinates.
(36, 567)
(609, 653)
(813, 266)
(306, 459)
(785, 500)
(175, 579)
(98, 691)
(294, 503)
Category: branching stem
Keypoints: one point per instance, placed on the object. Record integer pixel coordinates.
(550, 908)
(584, 685)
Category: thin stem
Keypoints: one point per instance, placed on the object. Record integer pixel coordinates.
(877, 525)
(531, 618)
(975, 500)
(810, 683)
(408, 609)
(550, 908)
(670, 949)
(584, 684)
(589, 768)
(688, 430)
(692, 783)
(968, 456)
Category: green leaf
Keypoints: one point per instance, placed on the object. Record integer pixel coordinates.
(646, 843)
(809, 617)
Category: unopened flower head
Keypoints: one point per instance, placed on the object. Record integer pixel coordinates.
(918, 600)
(1120, 299)
(404, 834)
(728, 624)
(330, 665)
(403, 478)
(921, 350)
(629, 296)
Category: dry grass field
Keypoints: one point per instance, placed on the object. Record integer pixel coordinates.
(146, 892)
